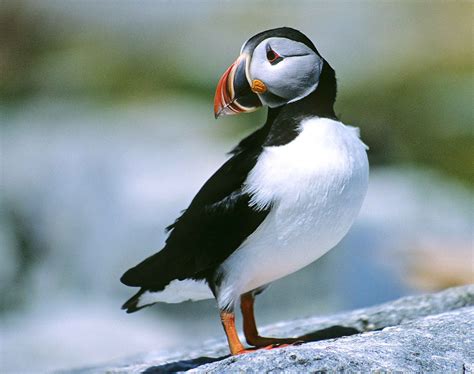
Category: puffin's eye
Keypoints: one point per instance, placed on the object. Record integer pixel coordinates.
(273, 57)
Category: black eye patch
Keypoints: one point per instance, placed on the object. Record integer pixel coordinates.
(272, 56)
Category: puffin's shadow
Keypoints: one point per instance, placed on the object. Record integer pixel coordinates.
(173, 367)
(332, 332)
(183, 365)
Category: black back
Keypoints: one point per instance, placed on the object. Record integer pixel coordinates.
(217, 221)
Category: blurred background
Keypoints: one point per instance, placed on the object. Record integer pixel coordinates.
(107, 132)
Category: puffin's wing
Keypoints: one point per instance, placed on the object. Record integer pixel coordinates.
(217, 221)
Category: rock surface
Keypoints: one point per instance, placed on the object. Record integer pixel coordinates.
(427, 333)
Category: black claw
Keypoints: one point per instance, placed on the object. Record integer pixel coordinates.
(299, 342)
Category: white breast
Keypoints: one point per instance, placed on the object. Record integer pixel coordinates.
(315, 186)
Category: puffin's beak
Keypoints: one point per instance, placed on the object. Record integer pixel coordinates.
(233, 92)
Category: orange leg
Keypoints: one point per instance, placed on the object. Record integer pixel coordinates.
(250, 328)
(228, 321)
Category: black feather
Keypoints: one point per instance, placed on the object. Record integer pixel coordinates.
(131, 305)
(217, 221)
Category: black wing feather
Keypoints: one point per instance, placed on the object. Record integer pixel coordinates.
(217, 221)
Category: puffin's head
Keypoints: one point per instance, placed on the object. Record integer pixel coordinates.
(275, 67)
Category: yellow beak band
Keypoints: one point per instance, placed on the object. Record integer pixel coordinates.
(258, 86)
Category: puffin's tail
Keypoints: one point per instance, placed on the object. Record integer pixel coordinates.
(131, 305)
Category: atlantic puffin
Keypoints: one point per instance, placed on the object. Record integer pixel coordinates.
(288, 194)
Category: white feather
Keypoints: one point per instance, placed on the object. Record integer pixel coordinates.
(178, 291)
(315, 185)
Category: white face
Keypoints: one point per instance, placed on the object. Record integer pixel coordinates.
(289, 69)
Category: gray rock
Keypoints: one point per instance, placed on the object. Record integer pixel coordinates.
(439, 343)
(427, 333)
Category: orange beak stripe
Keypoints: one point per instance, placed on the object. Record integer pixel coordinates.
(233, 93)
(224, 94)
